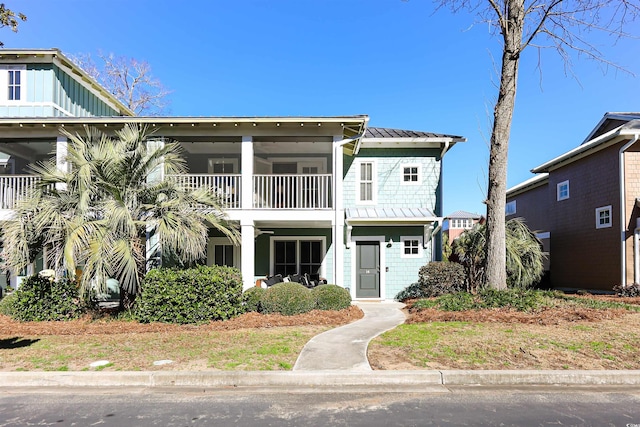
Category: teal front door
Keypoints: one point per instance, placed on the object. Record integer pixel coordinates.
(367, 270)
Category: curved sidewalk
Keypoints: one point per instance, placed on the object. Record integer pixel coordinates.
(345, 348)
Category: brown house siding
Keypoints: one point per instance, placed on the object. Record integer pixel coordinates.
(583, 256)
(532, 206)
(632, 191)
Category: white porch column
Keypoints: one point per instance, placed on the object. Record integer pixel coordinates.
(337, 229)
(247, 250)
(154, 249)
(61, 159)
(247, 173)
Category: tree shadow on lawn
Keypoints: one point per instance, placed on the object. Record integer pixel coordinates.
(16, 342)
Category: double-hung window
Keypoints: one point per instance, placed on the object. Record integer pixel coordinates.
(366, 182)
(12, 80)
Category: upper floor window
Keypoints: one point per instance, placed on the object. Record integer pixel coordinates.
(603, 217)
(510, 208)
(366, 182)
(465, 223)
(411, 175)
(563, 190)
(12, 78)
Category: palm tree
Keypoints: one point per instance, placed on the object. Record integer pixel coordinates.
(103, 213)
(524, 255)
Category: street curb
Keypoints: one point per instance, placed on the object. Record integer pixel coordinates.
(308, 379)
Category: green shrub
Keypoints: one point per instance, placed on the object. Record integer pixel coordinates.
(439, 278)
(7, 303)
(515, 299)
(194, 295)
(41, 298)
(251, 299)
(412, 291)
(331, 297)
(287, 298)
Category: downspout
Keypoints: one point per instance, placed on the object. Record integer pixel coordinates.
(429, 232)
(623, 216)
(445, 148)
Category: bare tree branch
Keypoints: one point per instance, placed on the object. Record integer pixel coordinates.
(9, 19)
(129, 80)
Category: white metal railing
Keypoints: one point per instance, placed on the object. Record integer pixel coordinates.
(292, 191)
(227, 187)
(14, 188)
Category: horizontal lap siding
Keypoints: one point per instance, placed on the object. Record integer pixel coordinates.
(581, 255)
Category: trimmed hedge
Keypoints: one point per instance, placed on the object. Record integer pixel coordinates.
(194, 295)
(435, 279)
(331, 297)
(251, 299)
(288, 298)
(42, 298)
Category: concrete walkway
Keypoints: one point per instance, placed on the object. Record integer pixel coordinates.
(345, 348)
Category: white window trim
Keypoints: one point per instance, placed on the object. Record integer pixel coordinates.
(410, 165)
(213, 241)
(600, 210)
(374, 177)
(511, 208)
(4, 84)
(420, 253)
(558, 187)
(298, 239)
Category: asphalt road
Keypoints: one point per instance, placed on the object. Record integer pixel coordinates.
(461, 406)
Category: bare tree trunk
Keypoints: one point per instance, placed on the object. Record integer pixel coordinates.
(512, 27)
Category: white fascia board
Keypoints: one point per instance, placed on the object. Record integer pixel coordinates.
(409, 142)
(391, 221)
(529, 184)
(580, 151)
(611, 116)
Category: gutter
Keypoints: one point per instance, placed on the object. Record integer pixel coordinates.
(623, 216)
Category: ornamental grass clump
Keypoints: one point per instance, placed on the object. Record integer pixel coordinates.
(287, 298)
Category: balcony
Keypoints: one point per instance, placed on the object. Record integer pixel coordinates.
(293, 191)
(226, 187)
(269, 191)
(14, 188)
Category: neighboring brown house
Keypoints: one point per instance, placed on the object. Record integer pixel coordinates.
(456, 223)
(574, 204)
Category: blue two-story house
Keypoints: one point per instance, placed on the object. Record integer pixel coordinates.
(329, 196)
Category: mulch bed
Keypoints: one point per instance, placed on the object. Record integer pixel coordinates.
(550, 316)
(89, 326)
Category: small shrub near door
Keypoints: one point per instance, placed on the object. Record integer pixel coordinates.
(194, 295)
(288, 298)
(331, 297)
(43, 298)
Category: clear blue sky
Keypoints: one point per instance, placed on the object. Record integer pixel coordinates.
(401, 62)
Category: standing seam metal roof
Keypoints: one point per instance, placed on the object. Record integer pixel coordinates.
(389, 213)
(375, 132)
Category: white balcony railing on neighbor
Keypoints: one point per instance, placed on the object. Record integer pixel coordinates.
(292, 191)
(14, 188)
(227, 187)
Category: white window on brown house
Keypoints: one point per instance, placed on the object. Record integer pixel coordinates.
(603, 217)
(510, 208)
(563, 190)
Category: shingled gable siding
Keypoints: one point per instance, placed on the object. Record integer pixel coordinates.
(389, 165)
(581, 255)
